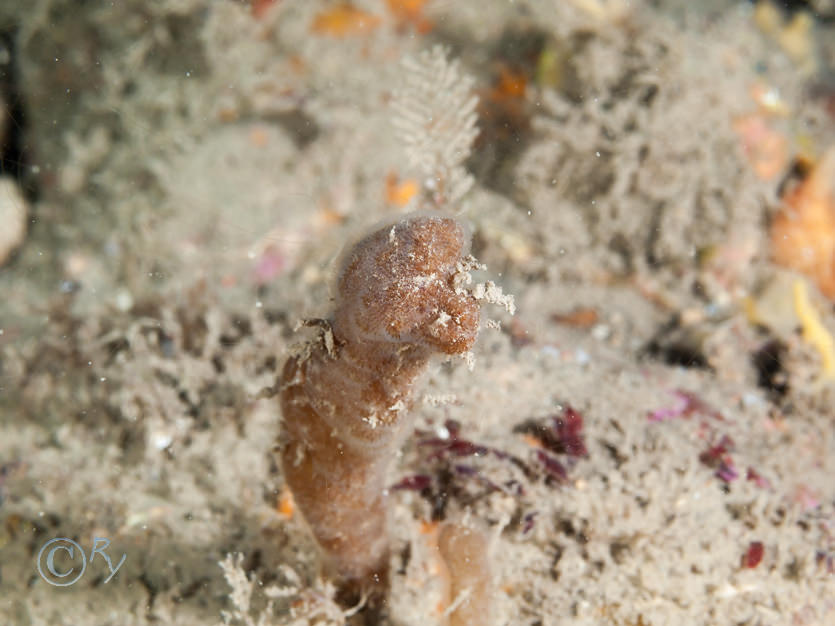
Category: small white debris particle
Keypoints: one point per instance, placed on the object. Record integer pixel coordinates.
(469, 359)
(327, 337)
(161, 440)
(601, 332)
(440, 399)
(492, 293)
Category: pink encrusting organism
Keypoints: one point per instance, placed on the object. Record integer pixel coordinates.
(345, 398)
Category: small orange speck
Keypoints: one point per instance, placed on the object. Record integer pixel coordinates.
(583, 317)
(259, 137)
(435, 564)
(406, 8)
(286, 506)
(511, 85)
(400, 193)
(297, 63)
(344, 19)
(326, 217)
(533, 442)
(228, 114)
(777, 424)
(765, 148)
(230, 280)
(410, 12)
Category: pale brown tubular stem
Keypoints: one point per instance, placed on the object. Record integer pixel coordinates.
(345, 406)
(465, 553)
(332, 466)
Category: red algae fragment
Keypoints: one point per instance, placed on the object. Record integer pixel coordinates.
(529, 521)
(726, 471)
(448, 478)
(552, 466)
(443, 449)
(686, 404)
(753, 555)
(418, 482)
(825, 561)
(759, 480)
(560, 434)
(260, 7)
(564, 434)
(453, 444)
(718, 456)
(568, 433)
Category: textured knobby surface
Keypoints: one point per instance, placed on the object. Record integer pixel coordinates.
(344, 406)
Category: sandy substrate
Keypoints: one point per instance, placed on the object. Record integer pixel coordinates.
(194, 171)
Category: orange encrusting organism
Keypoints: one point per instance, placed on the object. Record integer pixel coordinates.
(803, 232)
(345, 399)
(344, 19)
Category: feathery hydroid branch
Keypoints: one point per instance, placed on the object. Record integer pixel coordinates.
(435, 118)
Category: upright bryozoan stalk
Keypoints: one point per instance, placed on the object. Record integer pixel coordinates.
(345, 399)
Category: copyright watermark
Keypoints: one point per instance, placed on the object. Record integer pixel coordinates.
(62, 562)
